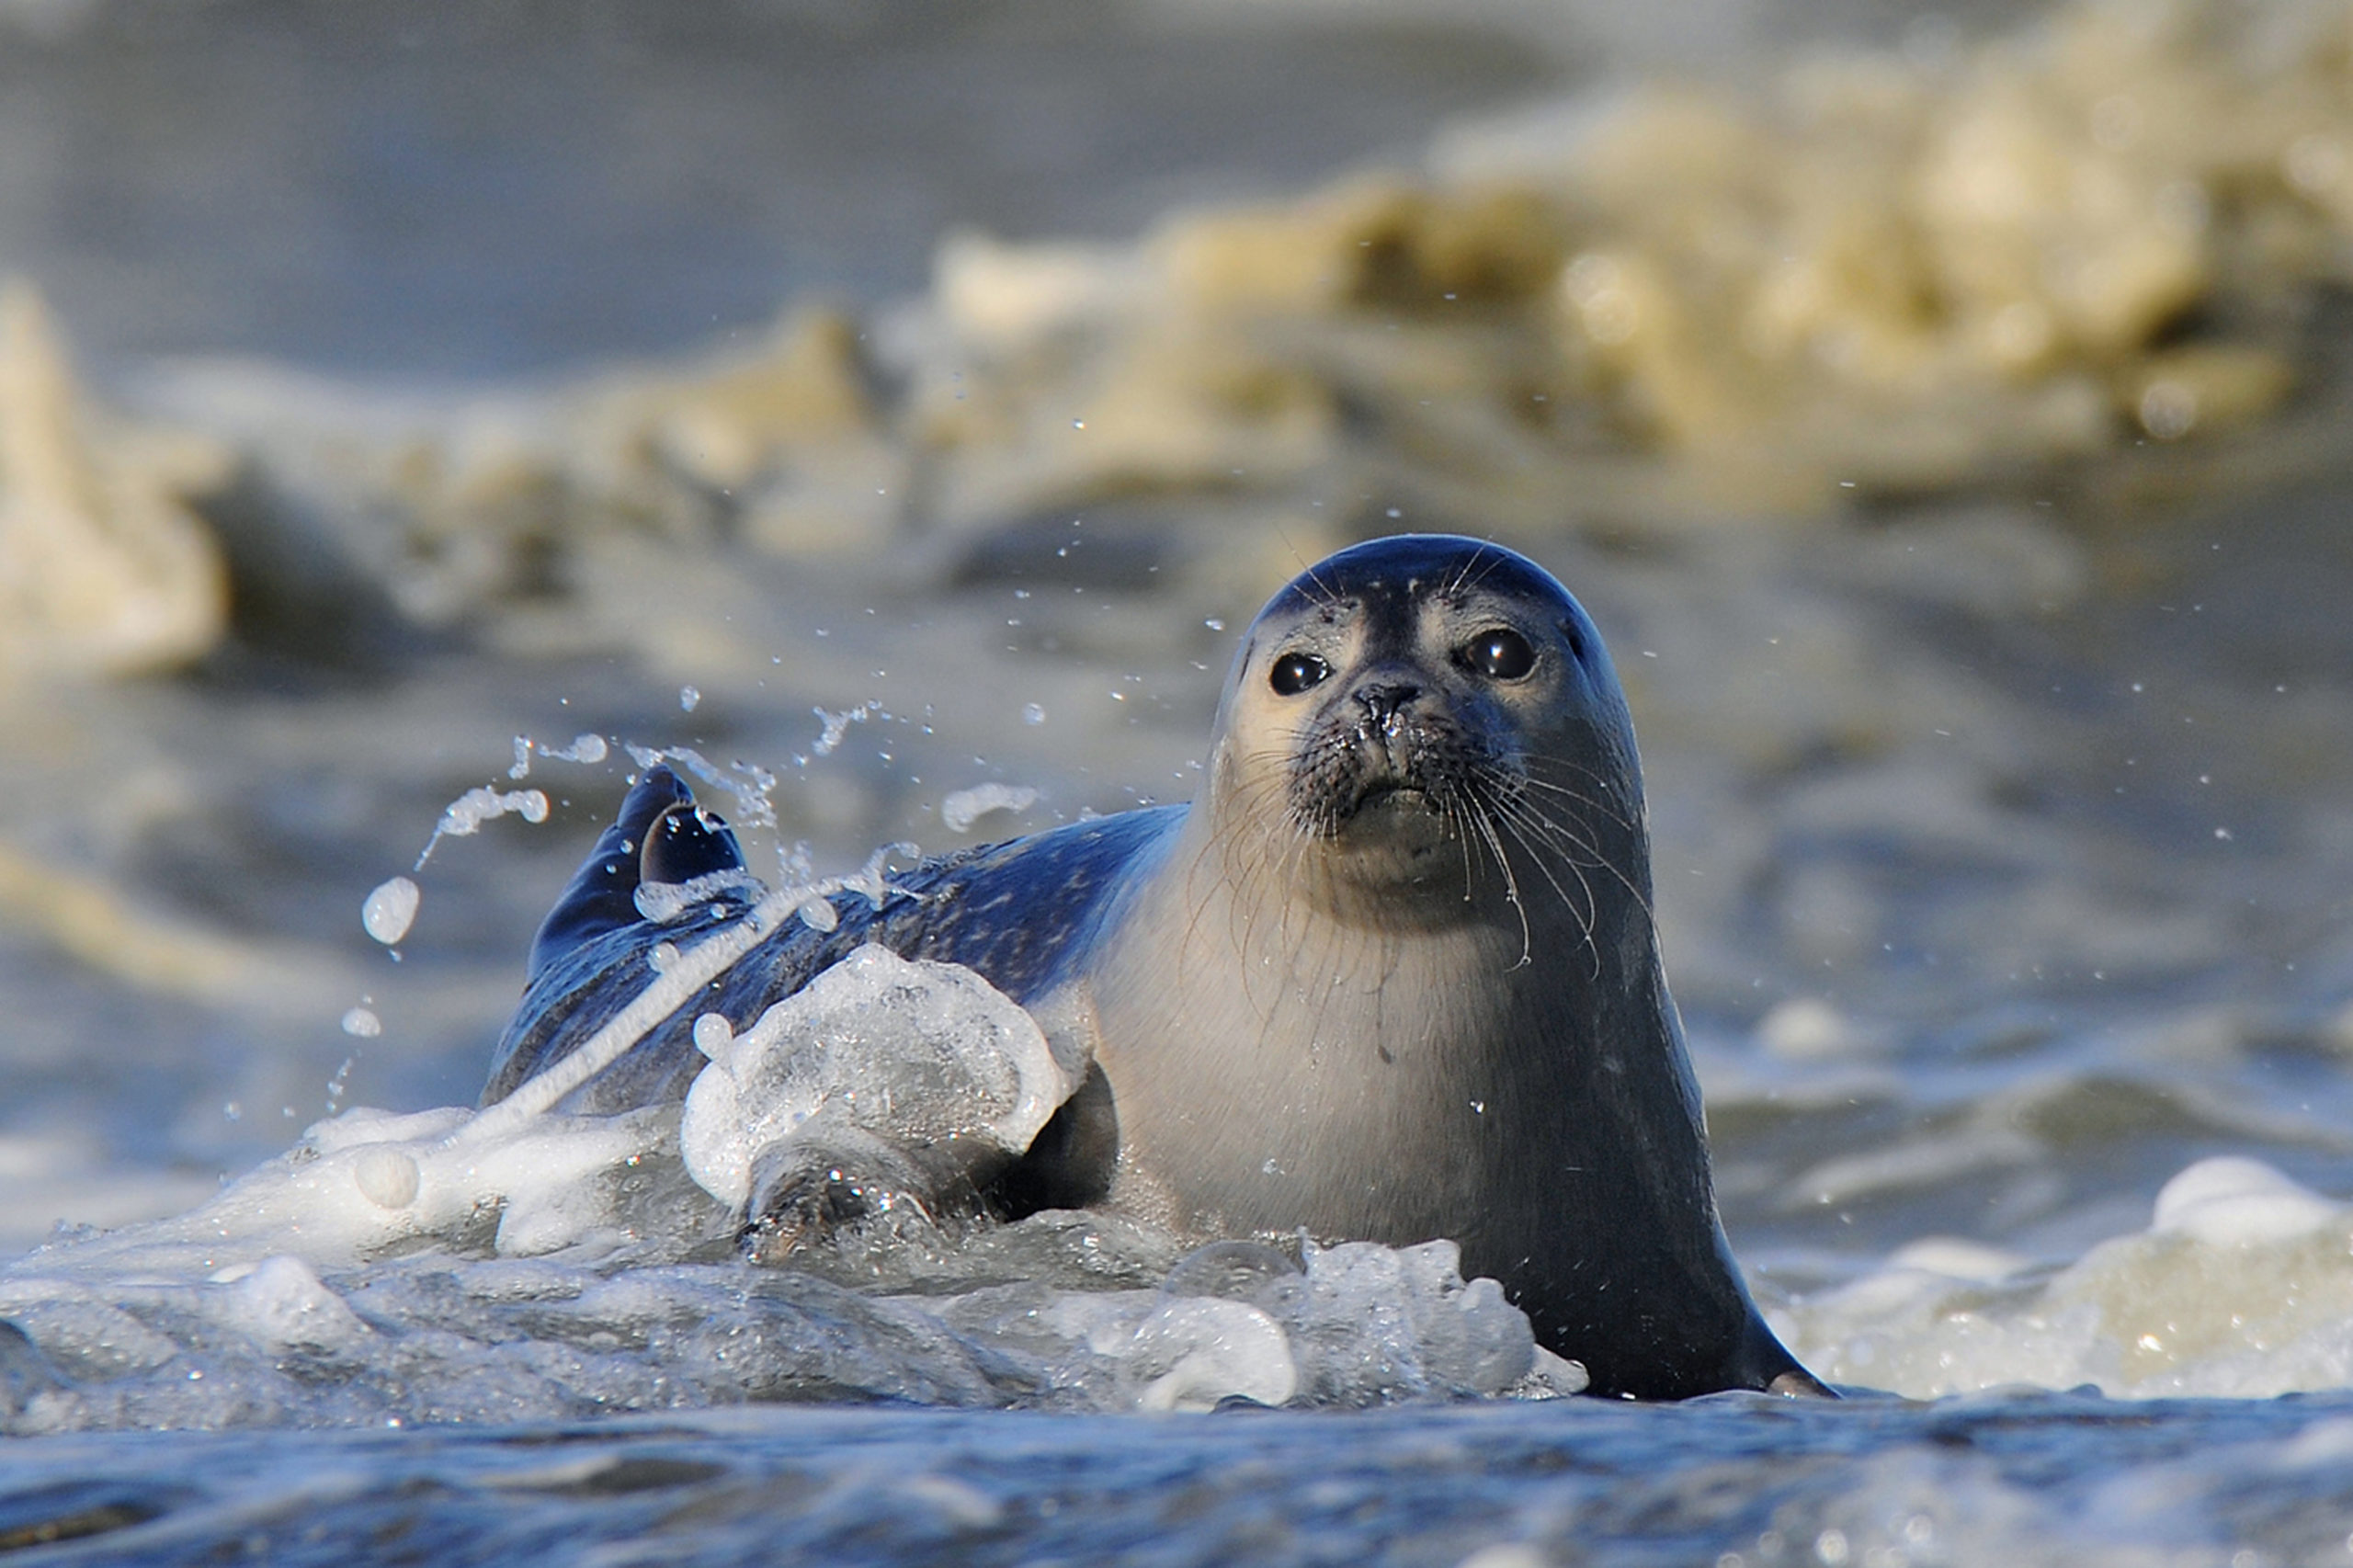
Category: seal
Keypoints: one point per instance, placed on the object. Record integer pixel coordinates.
(1393, 976)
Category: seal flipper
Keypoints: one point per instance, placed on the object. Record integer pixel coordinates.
(602, 895)
(1765, 1363)
(685, 842)
(831, 1175)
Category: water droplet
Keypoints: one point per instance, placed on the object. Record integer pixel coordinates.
(391, 909)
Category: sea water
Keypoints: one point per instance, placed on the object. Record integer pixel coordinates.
(2002, 842)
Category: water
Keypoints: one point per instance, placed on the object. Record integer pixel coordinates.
(2002, 827)
(450, 192)
(1968, 1481)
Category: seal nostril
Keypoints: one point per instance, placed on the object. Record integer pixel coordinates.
(1386, 701)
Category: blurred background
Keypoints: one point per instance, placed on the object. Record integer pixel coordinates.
(1941, 410)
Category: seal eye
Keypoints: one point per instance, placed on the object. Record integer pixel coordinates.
(1499, 655)
(1294, 673)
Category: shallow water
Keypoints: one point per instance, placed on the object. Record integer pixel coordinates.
(2025, 1479)
(2003, 836)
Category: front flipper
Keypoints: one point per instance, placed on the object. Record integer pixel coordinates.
(602, 895)
(661, 836)
(831, 1175)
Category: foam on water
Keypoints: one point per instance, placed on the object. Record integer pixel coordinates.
(388, 1271)
(519, 1263)
(926, 1051)
(2241, 1286)
(452, 1263)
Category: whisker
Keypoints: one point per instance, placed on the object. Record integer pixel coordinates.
(1511, 881)
(1454, 811)
(1579, 797)
(1583, 798)
(1563, 834)
(1584, 916)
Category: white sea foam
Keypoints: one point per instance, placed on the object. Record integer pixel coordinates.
(517, 1263)
(922, 1051)
(450, 1263)
(463, 817)
(386, 1269)
(1191, 1352)
(961, 809)
(2242, 1286)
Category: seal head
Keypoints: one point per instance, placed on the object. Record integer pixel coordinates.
(1421, 708)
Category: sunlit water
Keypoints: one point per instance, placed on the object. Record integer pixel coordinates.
(2002, 851)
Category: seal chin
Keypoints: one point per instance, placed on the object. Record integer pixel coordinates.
(1386, 798)
(1396, 815)
(1396, 833)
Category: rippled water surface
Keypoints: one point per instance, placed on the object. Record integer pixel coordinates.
(2040, 1479)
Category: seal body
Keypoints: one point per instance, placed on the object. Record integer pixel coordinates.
(1393, 976)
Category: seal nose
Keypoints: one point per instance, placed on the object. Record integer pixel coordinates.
(1383, 701)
